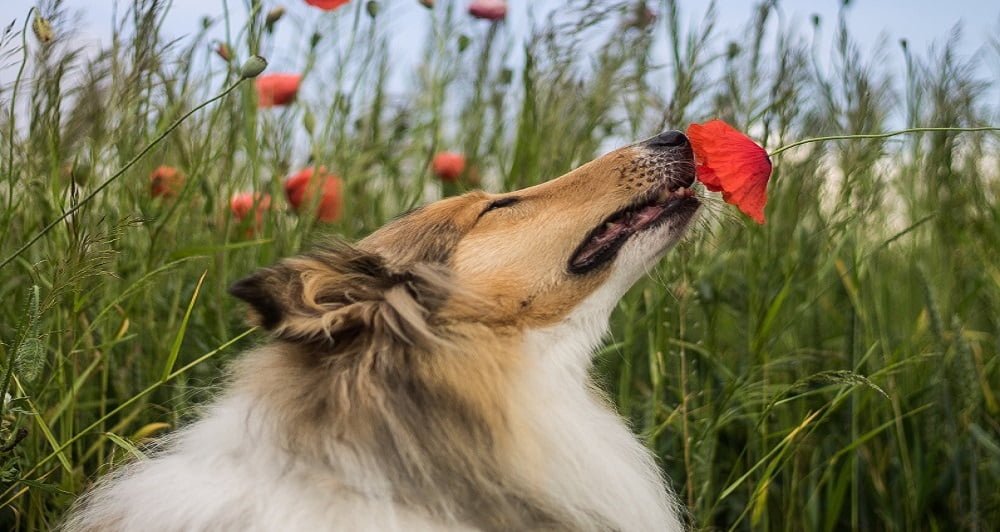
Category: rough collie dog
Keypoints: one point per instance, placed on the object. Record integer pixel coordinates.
(433, 376)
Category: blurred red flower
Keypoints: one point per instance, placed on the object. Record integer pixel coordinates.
(223, 51)
(241, 204)
(327, 5)
(728, 161)
(165, 182)
(448, 165)
(488, 9)
(277, 89)
(300, 187)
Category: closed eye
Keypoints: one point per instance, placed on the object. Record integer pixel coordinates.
(500, 203)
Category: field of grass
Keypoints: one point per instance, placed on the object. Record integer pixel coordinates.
(833, 369)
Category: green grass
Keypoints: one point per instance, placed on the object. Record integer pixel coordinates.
(833, 369)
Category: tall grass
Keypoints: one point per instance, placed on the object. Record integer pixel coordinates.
(834, 369)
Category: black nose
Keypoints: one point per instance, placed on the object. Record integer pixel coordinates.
(668, 139)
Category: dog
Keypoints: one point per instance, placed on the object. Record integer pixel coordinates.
(434, 375)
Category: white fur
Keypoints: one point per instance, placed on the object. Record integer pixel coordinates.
(592, 459)
(228, 471)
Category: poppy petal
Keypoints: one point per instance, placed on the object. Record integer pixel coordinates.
(729, 162)
(277, 89)
(327, 5)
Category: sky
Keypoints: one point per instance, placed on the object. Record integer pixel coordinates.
(873, 23)
(921, 22)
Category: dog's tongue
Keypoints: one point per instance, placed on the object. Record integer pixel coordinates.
(728, 161)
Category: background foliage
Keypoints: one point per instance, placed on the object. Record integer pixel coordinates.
(834, 369)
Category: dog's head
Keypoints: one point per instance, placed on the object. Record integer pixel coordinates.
(522, 259)
(414, 342)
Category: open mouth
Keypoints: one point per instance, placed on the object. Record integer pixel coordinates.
(603, 243)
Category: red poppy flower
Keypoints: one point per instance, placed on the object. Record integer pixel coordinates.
(488, 9)
(241, 204)
(277, 89)
(165, 182)
(300, 188)
(448, 165)
(728, 161)
(327, 5)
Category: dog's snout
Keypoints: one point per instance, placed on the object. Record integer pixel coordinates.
(668, 139)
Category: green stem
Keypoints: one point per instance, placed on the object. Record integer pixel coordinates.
(119, 173)
(879, 136)
(9, 173)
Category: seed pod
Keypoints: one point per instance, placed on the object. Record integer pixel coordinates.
(42, 29)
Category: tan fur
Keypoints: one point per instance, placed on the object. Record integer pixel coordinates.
(416, 354)
(405, 350)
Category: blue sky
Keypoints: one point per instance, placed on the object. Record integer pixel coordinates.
(919, 21)
(873, 23)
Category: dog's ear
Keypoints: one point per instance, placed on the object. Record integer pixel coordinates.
(261, 290)
(339, 293)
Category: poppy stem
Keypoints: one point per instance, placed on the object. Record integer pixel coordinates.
(69, 212)
(881, 135)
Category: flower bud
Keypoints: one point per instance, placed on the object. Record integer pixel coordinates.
(253, 67)
(309, 122)
(272, 17)
(223, 51)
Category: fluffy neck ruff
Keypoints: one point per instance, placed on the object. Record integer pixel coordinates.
(497, 429)
(385, 382)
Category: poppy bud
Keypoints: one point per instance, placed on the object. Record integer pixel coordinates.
(372, 8)
(309, 122)
(272, 17)
(223, 51)
(429, 4)
(253, 67)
